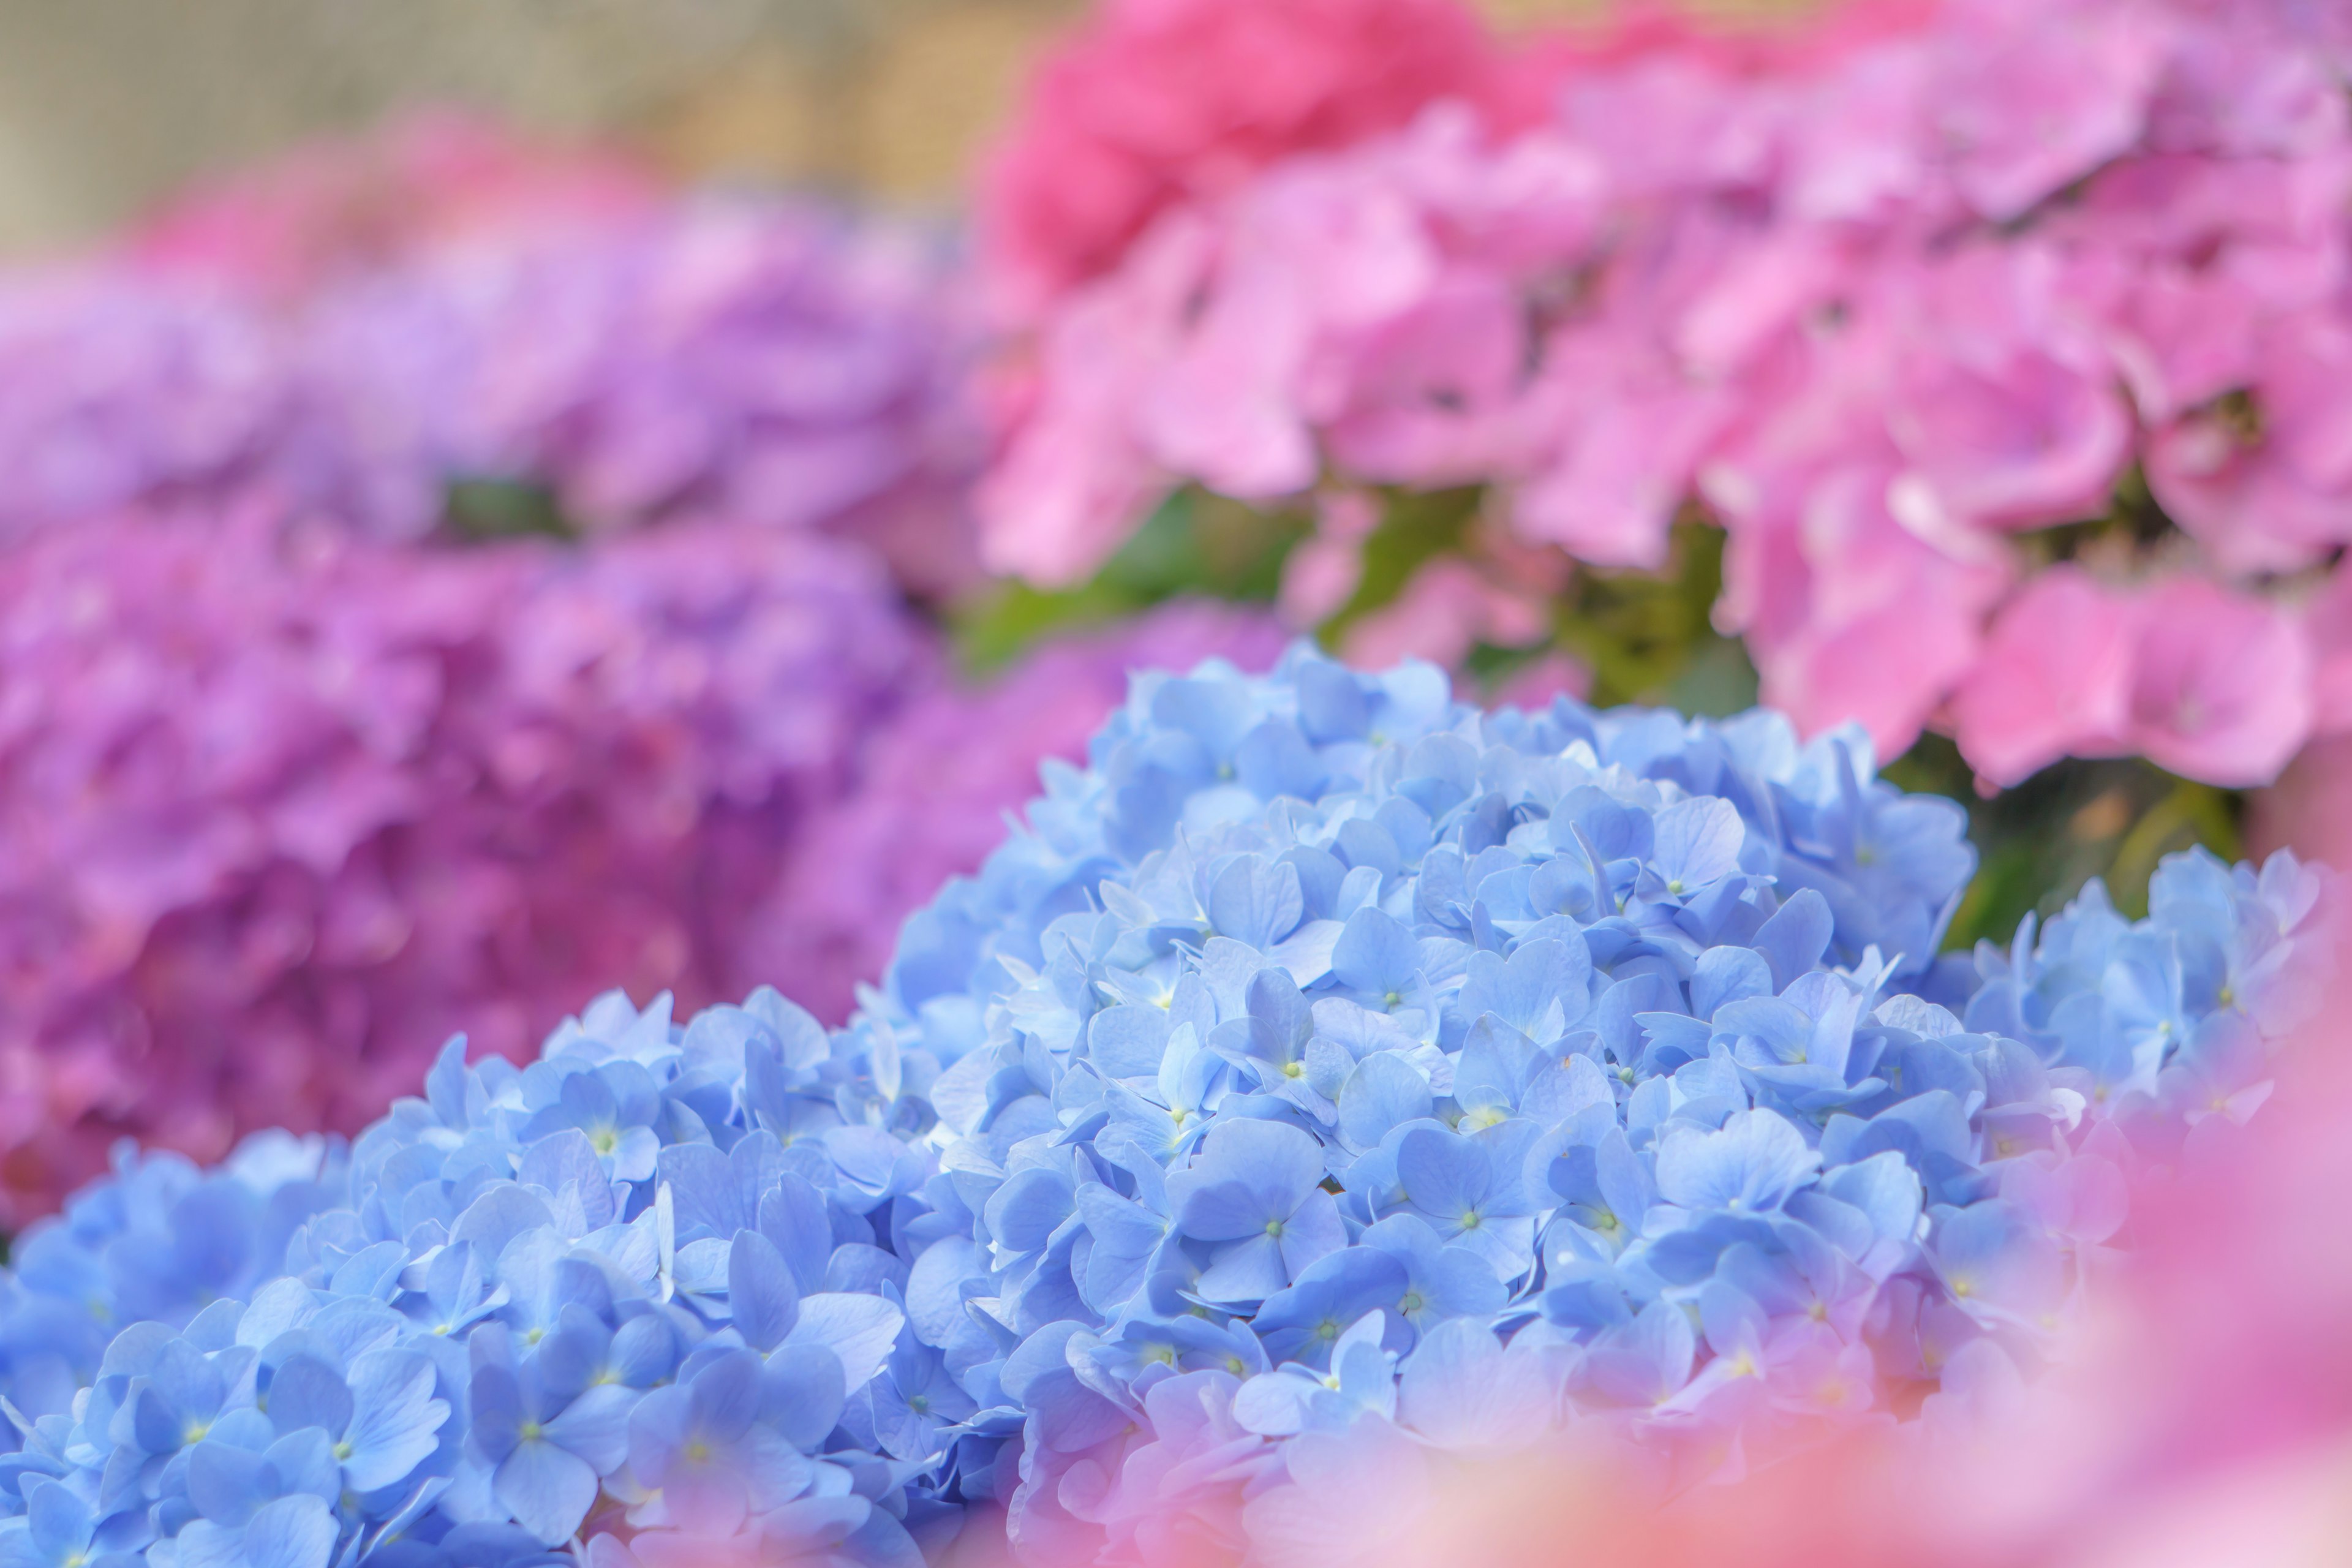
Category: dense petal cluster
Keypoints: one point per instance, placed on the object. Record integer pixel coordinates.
(642, 1291)
(542, 324)
(277, 815)
(1347, 1062)
(1898, 307)
(1328, 1077)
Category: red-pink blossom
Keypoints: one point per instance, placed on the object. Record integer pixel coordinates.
(1156, 102)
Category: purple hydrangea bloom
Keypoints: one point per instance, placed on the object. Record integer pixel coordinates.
(754, 360)
(116, 386)
(763, 362)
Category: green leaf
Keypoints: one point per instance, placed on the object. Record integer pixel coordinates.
(1194, 543)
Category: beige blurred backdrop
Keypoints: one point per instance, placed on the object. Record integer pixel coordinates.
(106, 104)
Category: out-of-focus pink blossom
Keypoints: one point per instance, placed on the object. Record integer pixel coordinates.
(2309, 809)
(278, 812)
(2002, 405)
(1159, 102)
(1534, 684)
(937, 783)
(435, 180)
(2036, 94)
(1321, 572)
(2210, 683)
(1330, 303)
(1070, 488)
(1446, 609)
(1872, 623)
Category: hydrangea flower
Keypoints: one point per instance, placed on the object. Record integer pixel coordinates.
(288, 789)
(1618, 1044)
(1897, 300)
(280, 815)
(715, 357)
(365, 329)
(464, 1340)
(1328, 1075)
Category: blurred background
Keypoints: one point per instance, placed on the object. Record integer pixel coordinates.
(107, 105)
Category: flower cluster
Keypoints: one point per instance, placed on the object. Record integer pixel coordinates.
(298, 772)
(636, 360)
(1329, 1071)
(1918, 306)
(277, 815)
(1342, 1054)
(637, 1290)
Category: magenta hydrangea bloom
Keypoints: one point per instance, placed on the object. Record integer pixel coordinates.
(278, 813)
(1891, 297)
(936, 784)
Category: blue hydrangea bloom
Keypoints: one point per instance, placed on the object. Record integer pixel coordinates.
(1327, 1076)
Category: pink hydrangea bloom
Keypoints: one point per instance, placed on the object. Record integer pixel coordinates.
(1328, 299)
(1885, 291)
(2263, 478)
(938, 784)
(1447, 608)
(1843, 584)
(278, 814)
(1159, 102)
